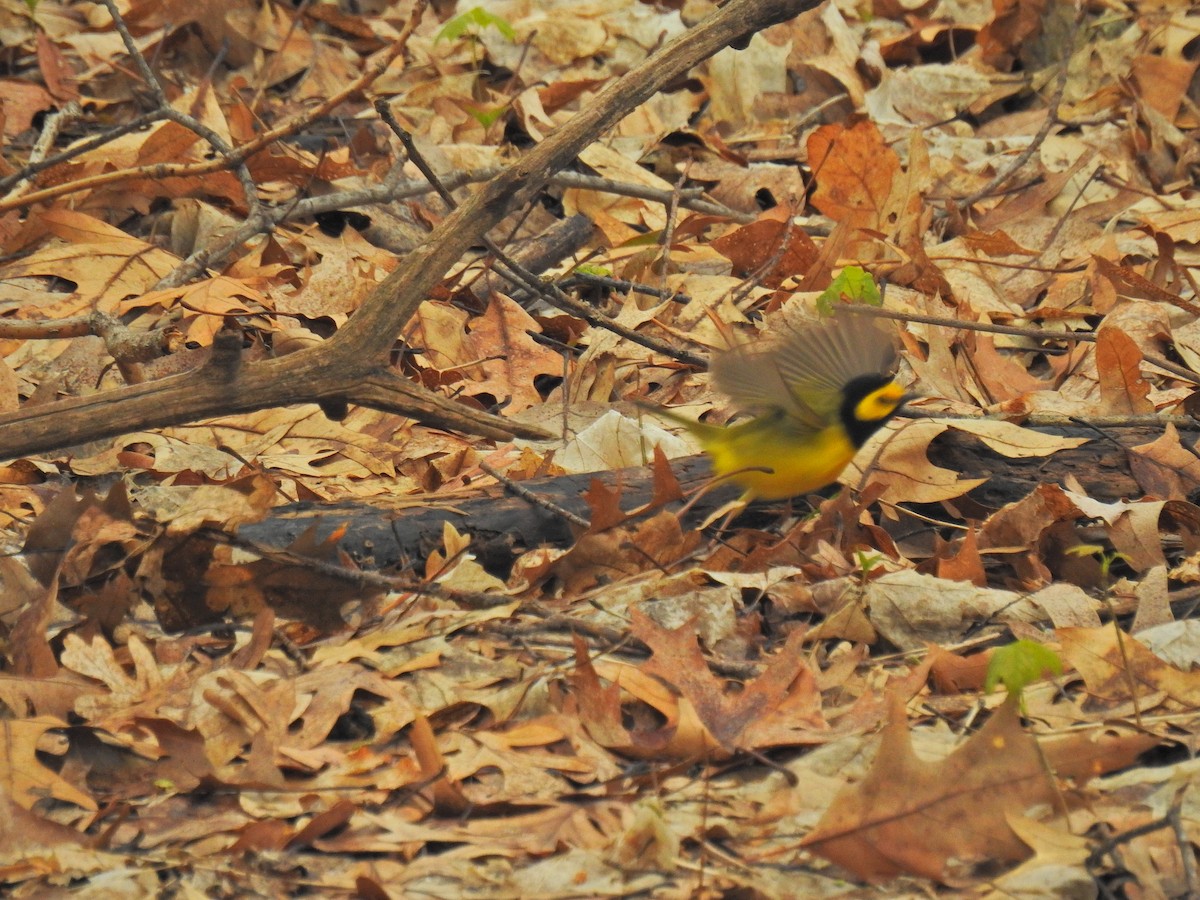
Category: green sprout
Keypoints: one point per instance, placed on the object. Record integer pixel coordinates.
(1106, 558)
(593, 269)
(1019, 664)
(472, 20)
(866, 563)
(853, 283)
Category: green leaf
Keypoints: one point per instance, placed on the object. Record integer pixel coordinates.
(593, 269)
(853, 283)
(1106, 558)
(474, 18)
(485, 116)
(649, 239)
(867, 562)
(1019, 664)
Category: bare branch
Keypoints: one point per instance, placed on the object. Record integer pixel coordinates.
(351, 367)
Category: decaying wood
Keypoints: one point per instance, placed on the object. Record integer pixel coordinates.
(502, 526)
(351, 367)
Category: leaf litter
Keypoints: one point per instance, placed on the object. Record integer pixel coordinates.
(648, 709)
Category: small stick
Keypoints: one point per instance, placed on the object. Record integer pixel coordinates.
(535, 499)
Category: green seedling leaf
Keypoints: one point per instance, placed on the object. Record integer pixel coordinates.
(485, 116)
(592, 269)
(474, 18)
(1019, 664)
(1106, 558)
(649, 239)
(853, 283)
(867, 563)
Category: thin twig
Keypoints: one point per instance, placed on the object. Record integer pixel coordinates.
(1043, 420)
(1110, 844)
(586, 279)
(535, 499)
(988, 327)
(243, 151)
(518, 274)
(668, 232)
(1017, 330)
(135, 54)
(255, 216)
(1002, 178)
(53, 126)
(688, 198)
(34, 166)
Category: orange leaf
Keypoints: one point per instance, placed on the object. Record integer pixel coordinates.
(1123, 390)
(511, 359)
(952, 673)
(854, 170)
(1129, 283)
(785, 247)
(605, 506)
(106, 264)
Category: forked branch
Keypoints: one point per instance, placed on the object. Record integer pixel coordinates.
(351, 367)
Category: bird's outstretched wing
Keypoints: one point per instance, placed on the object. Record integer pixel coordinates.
(804, 371)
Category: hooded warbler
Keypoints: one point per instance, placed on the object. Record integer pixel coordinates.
(816, 396)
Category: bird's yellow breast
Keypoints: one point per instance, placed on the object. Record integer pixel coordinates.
(770, 463)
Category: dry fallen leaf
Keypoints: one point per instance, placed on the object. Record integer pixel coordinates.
(909, 816)
(902, 465)
(23, 776)
(1117, 668)
(190, 693)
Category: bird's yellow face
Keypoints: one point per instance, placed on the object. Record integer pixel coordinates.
(880, 404)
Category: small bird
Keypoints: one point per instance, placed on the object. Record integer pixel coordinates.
(816, 396)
